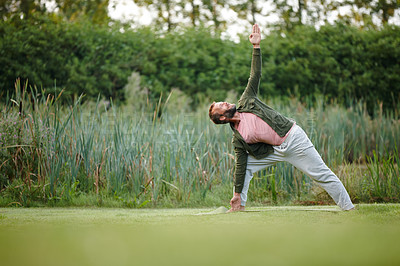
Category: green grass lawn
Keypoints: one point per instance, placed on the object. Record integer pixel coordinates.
(320, 235)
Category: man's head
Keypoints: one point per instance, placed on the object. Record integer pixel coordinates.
(221, 111)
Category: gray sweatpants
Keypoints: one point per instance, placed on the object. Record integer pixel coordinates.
(298, 150)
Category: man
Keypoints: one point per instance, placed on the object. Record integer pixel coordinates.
(262, 137)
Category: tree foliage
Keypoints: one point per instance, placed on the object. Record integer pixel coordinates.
(171, 14)
(362, 11)
(94, 10)
(24, 8)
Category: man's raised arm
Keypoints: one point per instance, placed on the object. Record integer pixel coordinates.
(255, 72)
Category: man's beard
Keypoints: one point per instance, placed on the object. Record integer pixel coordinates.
(230, 112)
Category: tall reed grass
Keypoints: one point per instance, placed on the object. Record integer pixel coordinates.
(147, 156)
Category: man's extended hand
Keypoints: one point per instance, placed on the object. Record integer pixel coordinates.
(235, 203)
(255, 36)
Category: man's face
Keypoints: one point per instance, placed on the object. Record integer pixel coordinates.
(226, 109)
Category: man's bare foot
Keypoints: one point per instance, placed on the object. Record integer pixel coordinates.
(240, 209)
(352, 209)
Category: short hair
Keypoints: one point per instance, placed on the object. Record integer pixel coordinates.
(215, 117)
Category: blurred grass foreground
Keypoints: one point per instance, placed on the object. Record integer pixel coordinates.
(263, 236)
(164, 155)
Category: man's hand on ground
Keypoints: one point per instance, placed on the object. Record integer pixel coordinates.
(241, 209)
(235, 203)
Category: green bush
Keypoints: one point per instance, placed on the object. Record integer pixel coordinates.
(339, 62)
(77, 57)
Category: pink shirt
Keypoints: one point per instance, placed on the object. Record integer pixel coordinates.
(253, 129)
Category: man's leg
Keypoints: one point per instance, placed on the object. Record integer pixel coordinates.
(254, 165)
(302, 154)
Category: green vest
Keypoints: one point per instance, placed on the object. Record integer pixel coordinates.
(249, 103)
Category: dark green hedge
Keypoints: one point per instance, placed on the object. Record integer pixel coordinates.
(79, 57)
(338, 62)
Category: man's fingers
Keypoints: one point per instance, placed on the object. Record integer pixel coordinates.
(232, 201)
(256, 29)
